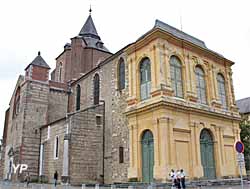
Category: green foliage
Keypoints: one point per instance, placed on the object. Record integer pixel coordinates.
(245, 138)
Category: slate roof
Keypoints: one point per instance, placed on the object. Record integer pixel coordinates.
(90, 35)
(181, 35)
(243, 105)
(89, 29)
(178, 33)
(39, 61)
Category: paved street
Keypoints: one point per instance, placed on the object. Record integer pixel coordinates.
(50, 186)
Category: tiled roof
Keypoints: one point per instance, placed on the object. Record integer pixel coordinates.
(243, 105)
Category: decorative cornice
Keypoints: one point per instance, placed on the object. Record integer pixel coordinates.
(180, 107)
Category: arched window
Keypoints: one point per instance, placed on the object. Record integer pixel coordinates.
(96, 89)
(176, 76)
(145, 78)
(60, 73)
(200, 85)
(222, 90)
(121, 74)
(78, 97)
(16, 106)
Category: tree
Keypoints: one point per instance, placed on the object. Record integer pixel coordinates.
(245, 138)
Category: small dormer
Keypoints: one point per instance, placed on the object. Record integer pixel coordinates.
(38, 69)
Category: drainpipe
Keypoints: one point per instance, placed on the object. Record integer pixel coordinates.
(103, 139)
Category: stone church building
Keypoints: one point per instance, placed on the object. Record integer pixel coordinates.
(163, 102)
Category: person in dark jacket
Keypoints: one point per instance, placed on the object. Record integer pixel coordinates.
(55, 178)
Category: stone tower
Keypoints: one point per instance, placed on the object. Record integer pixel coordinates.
(84, 53)
(28, 111)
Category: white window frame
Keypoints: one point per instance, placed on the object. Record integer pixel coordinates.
(48, 135)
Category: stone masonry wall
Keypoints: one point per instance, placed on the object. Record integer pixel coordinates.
(116, 131)
(35, 115)
(120, 133)
(50, 163)
(86, 146)
(58, 103)
(14, 130)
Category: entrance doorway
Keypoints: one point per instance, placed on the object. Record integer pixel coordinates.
(207, 154)
(147, 144)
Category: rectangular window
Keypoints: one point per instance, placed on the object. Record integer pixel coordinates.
(98, 120)
(56, 147)
(121, 155)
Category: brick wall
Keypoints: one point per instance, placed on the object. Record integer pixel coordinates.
(84, 59)
(40, 73)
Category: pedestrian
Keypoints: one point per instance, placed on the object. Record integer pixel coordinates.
(172, 177)
(178, 179)
(182, 175)
(27, 179)
(55, 178)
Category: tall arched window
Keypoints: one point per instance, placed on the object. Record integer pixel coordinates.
(121, 74)
(78, 97)
(222, 90)
(200, 85)
(60, 73)
(145, 78)
(96, 89)
(176, 76)
(16, 106)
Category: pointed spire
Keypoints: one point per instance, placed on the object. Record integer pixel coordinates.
(90, 36)
(88, 29)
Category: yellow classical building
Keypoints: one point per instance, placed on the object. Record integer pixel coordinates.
(181, 108)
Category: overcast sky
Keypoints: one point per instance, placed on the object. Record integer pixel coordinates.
(29, 26)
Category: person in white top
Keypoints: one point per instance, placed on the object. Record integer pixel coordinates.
(178, 179)
(182, 177)
(172, 175)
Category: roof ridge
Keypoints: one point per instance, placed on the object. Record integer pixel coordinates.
(243, 99)
(158, 24)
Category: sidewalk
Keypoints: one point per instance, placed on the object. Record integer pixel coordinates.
(11, 185)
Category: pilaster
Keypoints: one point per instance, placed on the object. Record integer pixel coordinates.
(171, 143)
(157, 160)
(163, 147)
(197, 170)
(133, 156)
(191, 92)
(154, 66)
(218, 152)
(65, 174)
